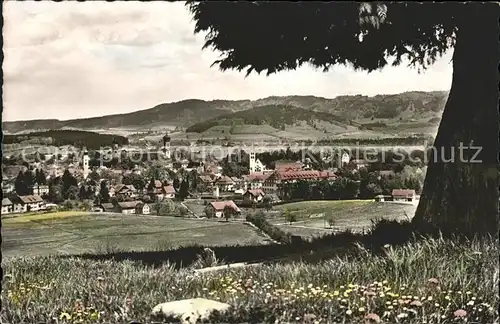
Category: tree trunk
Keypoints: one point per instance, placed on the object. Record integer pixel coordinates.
(461, 190)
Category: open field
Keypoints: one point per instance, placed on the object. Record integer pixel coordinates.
(349, 214)
(102, 232)
(464, 277)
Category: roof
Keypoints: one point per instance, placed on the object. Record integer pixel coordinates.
(6, 202)
(255, 192)
(220, 205)
(287, 165)
(129, 204)
(403, 192)
(256, 176)
(205, 178)
(122, 187)
(107, 206)
(304, 175)
(225, 180)
(169, 189)
(31, 199)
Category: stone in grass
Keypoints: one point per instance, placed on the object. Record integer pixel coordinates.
(189, 311)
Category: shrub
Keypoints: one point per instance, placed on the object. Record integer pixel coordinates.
(276, 233)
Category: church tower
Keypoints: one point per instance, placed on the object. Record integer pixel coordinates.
(252, 162)
(85, 164)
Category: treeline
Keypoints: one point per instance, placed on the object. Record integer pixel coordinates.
(277, 116)
(418, 139)
(90, 140)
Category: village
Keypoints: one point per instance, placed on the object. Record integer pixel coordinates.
(201, 188)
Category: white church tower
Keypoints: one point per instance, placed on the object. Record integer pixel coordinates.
(85, 164)
(252, 162)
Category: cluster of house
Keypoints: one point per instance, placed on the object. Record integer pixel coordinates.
(219, 189)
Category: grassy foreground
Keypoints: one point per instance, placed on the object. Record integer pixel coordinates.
(430, 281)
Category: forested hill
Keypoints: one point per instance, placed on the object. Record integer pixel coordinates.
(404, 106)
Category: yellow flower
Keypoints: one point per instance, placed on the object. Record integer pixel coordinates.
(447, 297)
(385, 282)
(65, 316)
(336, 293)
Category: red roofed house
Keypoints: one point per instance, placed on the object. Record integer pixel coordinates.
(253, 196)
(216, 208)
(168, 192)
(403, 194)
(274, 181)
(156, 190)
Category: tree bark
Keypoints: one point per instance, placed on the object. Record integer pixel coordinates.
(461, 192)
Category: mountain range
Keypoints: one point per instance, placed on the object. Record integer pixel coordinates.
(350, 109)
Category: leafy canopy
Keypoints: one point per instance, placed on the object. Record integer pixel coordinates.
(273, 35)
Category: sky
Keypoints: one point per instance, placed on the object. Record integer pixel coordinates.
(68, 60)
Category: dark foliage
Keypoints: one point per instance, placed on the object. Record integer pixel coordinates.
(90, 140)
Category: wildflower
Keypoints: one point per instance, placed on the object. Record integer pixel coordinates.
(361, 309)
(416, 303)
(402, 315)
(336, 293)
(385, 282)
(100, 279)
(433, 281)
(65, 316)
(348, 312)
(460, 313)
(370, 293)
(372, 318)
(447, 297)
(470, 303)
(429, 298)
(309, 318)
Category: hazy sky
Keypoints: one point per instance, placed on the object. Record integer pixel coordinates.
(69, 60)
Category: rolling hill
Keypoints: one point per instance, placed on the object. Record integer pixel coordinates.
(404, 107)
(276, 116)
